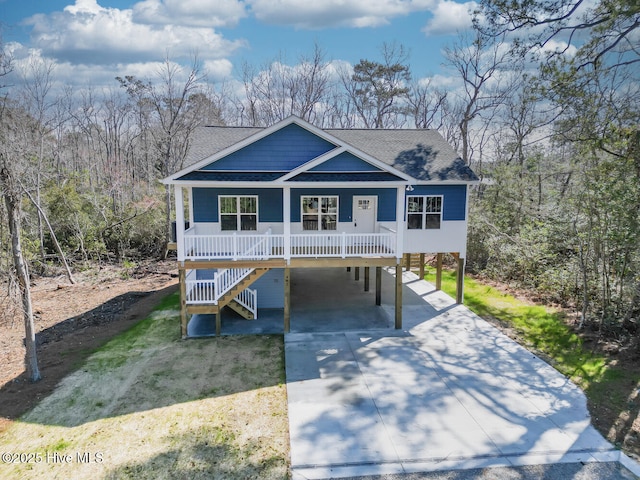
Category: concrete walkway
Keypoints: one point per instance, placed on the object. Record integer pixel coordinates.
(448, 392)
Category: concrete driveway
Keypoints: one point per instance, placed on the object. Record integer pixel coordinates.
(448, 392)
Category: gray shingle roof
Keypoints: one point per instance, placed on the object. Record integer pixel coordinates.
(423, 154)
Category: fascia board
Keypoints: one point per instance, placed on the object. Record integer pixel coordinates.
(219, 184)
(446, 182)
(346, 185)
(209, 184)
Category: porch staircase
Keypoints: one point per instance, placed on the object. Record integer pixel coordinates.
(230, 287)
(233, 297)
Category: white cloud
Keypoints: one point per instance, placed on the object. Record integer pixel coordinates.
(450, 17)
(90, 34)
(218, 69)
(307, 14)
(559, 46)
(206, 13)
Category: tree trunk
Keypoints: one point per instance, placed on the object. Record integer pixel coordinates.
(31, 358)
(42, 215)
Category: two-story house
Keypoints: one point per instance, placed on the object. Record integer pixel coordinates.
(254, 203)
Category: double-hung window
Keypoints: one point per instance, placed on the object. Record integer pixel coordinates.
(424, 212)
(238, 213)
(319, 213)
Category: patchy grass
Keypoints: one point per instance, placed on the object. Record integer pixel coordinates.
(611, 387)
(149, 405)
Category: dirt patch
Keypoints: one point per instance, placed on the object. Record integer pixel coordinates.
(73, 320)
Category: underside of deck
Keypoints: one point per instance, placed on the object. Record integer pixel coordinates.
(203, 319)
(349, 307)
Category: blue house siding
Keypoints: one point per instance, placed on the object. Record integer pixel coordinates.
(454, 203)
(205, 203)
(270, 289)
(345, 162)
(282, 151)
(386, 201)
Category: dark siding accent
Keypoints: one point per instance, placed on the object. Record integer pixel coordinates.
(345, 177)
(386, 201)
(345, 162)
(283, 150)
(205, 203)
(217, 176)
(454, 199)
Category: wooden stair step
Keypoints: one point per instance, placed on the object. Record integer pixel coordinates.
(240, 310)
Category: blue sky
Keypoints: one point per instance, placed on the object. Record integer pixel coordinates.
(92, 41)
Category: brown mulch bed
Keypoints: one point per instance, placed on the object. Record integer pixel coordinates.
(71, 322)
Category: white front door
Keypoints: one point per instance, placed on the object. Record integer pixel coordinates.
(364, 214)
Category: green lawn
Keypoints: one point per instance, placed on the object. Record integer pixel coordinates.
(149, 405)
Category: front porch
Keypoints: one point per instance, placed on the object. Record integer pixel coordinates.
(234, 246)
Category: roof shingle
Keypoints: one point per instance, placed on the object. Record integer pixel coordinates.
(422, 154)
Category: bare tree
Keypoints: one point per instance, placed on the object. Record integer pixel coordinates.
(37, 80)
(483, 66)
(426, 104)
(278, 90)
(16, 138)
(176, 118)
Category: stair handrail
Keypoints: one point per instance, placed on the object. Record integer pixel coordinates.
(248, 298)
(227, 278)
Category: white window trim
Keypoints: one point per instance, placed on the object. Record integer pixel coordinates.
(319, 214)
(238, 212)
(424, 213)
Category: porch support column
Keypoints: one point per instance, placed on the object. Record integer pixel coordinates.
(398, 324)
(378, 286)
(422, 266)
(357, 273)
(286, 220)
(366, 279)
(407, 261)
(183, 301)
(179, 200)
(439, 271)
(460, 281)
(287, 300)
(400, 195)
(399, 223)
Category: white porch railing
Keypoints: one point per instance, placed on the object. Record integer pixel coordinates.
(342, 245)
(201, 291)
(227, 278)
(248, 298)
(212, 290)
(233, 247)
(265, 246)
